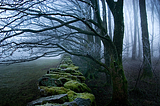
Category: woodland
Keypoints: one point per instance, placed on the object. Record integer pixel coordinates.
(114, 42)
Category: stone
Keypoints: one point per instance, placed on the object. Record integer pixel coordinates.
(73, 103)
(83, 102)
(50, 99)
(63, 66)
(64, 86)
(77, 86)
(57, 75)
(47, 81)
(73, 95)
(47, 91)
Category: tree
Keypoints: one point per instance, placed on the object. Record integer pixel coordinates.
(45, 28)
(147, 66)
(134, 48)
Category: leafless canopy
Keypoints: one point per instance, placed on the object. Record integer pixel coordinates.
(30, 29)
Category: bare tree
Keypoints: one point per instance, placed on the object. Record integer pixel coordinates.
(45, 28)
(147, 66)
(134, 48)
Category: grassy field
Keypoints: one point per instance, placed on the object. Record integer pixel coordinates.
(18, 82)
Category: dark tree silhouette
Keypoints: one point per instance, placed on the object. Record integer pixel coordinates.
(147, 66)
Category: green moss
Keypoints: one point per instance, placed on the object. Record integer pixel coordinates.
(72, 67)
(63, 66)
(53, 69)
(81, 78)
(77, 86)
(64, 80)
(77, 73)
(57, 75)
(86, 96)
(73, 95)
(54, 90)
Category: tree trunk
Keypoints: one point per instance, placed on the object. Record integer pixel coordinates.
(134, 48)
(152, 20)
(109, 23)
(120, 85)
(139, 46)
(147, 66)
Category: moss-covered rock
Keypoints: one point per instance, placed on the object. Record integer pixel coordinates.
(55, 99)
(47, 81)
(77, 86)
(57, 75)
(71, 83)
(53, 90)
(72, 67)
(81, 78)
(73, 95)
(63, 66)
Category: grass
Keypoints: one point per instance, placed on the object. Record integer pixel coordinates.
(18, 84)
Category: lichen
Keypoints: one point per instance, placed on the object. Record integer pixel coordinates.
(77, 86)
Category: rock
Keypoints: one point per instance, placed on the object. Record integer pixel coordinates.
(47, 81)
(57, 75)
(63, 66)
(73, 95)
(64, 80)
(50, 99)
(66, 85)
(83, 102)
(47, 91)
(78, 102)
(73, 103)
(77, 86)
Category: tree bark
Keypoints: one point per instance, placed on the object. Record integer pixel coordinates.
(109, 23)
(120, 85)
(147, 66)
(152, 20)
(134, 48)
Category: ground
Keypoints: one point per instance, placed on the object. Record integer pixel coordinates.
(18, 84)
(18, 87)
(146, 94)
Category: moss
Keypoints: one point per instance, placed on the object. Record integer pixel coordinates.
(81, 78)
(77, 86)
(54, 90)
(72, 77)
(63, 66)
(53, 69)
(72, 67)
(64, 80)
(73, 95)
(77, 73)
(86, 96)
(57, 75)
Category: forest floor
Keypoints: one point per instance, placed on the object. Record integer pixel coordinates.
(146, 94)
(18, 83)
